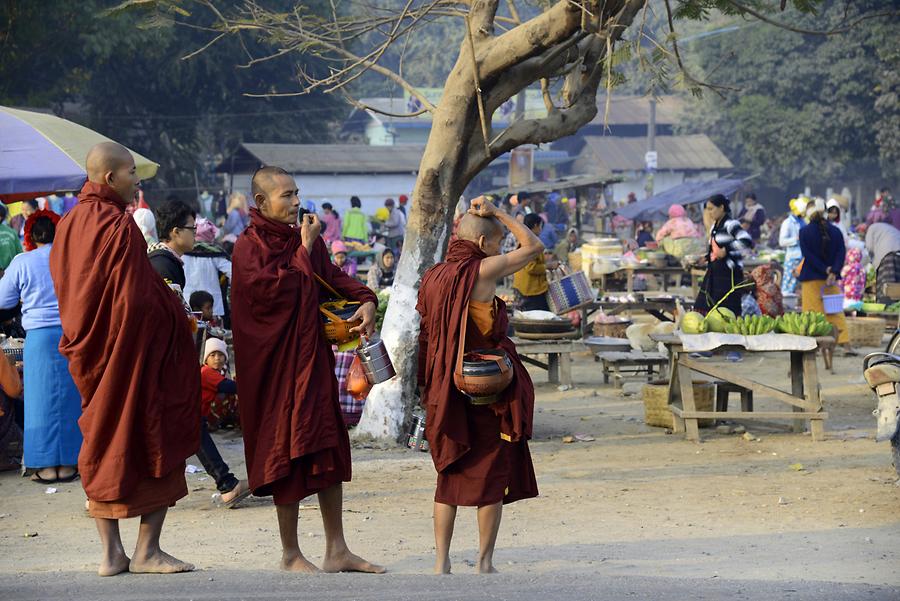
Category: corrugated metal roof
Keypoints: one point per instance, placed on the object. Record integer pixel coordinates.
(635, 110)
(623, 110)
(337, 158)
(673, 152)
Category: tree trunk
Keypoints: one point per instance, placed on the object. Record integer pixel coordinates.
(442, 178)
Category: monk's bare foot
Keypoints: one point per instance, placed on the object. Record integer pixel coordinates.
(442, 567)
(298, 563)
(110, 566)
(348, 562)
(158, 563)
(486, 567)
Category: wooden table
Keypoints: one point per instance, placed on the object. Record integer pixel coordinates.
(662, 309)
(614, 361)
(804, 398)
(630, 272)
(559, 356)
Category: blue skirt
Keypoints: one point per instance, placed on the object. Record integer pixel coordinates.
(52, 403)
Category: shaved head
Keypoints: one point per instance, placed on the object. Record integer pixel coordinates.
(473, 227)
(263, 178)
(111, 164)
(104, 158)
(276, 194)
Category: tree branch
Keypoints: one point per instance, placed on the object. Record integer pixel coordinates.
(530, 38)
(477, 81)
(755, 13)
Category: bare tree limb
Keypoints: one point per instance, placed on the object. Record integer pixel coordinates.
(837, 30)
(481, 17)
(484, 125)
(531, 38)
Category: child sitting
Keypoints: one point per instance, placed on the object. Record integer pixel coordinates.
(218, 401)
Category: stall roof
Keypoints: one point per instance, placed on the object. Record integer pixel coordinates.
(326, 158)
(563, 183)
(683, 194)
(678, 153)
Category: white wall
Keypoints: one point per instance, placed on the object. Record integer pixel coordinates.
(337, 189)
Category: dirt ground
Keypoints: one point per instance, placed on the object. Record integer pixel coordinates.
(635, 500)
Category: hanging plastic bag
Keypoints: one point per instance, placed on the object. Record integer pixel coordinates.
(357, 384)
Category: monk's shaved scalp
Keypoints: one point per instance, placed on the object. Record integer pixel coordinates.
(473, 227)
(105, 157)
(262, 178)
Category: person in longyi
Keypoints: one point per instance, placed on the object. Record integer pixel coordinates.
(479, 445)
(295, 440)
(128, 341)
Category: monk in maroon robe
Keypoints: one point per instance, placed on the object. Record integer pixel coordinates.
(295, 440)
(128, 342)
(479, 446)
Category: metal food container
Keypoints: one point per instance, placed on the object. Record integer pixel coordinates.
(416, 439)
(375, 360)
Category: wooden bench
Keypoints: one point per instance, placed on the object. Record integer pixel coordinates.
(559, 356)
(614, 361)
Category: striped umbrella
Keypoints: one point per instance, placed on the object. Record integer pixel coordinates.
(41, 154)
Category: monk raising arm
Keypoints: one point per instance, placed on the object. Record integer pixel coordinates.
(498, 266)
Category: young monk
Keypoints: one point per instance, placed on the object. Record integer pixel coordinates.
(128, 341)
(480, 450)
(294, 436)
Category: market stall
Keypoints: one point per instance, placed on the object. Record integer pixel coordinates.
(804, 399)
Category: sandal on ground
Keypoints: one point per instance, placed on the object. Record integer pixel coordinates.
(36, 477)
(71, 478)
(242, 491)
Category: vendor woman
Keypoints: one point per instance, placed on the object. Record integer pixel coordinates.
(822, 245)
(52, 402)
(724, 257)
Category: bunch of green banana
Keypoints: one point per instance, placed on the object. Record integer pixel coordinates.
(751, 325)
(808, 323)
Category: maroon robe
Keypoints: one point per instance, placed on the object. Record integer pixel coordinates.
(295, 440)
(128, 342)
(480, 452)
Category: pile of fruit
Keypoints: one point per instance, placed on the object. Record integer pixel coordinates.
(751, 325)
(808, 323)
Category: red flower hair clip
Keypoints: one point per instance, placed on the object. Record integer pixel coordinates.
(29, 243)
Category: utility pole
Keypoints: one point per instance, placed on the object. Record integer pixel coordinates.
(650, 159)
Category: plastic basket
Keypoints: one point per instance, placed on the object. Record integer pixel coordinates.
(832, 303)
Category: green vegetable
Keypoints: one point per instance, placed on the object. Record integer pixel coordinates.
(718, 319)
(693, 323)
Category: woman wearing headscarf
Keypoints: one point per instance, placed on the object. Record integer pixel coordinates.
(824, 252)
(833, 214)
(381, 275)
(52, 402)
(679, 236)
(883, 243)
(146, 222)
(206, 264)
(789, 240)
(724, 257)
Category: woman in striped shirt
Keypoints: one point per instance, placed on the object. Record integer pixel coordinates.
(725, 267)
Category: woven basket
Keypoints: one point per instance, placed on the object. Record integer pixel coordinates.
(656, 403)
(612, 330)
(866, 331)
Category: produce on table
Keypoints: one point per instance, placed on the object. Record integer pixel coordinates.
(717, 320)
(693, 323)
(893, 308)
(808, 323)
(751, 325)
(383, 297)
